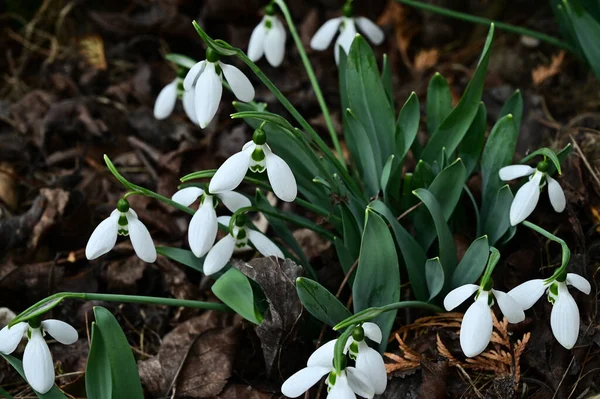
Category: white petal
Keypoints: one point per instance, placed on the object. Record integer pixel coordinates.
(275, 43)
(234, 201)
(370, 29)
(37, 363)
(564, 318)
(372, 331)
(359, 383)
(528, 293)
(302, 380)
(193, 74)
(224, 220)
(525, 201)
(323, 356)
(556, 194)
(325, 34)
(510, 308)
(341, 389)
(208, 93)
(165, 102)
(370, 362)
(203, 229)
(104, 237)
(280, 176)
(476, 328)
(219, 255)
(187, 196)
(189, 105)
(345, 38)
(515, 171)
(248, 144)
(140, 239)
(60, 331)
(10, 338)
(579, 282)
(232, 172)
(239, 83)
(263, 245)
(459, 295)
(257, 41)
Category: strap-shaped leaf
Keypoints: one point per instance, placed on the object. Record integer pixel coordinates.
(513, 106)
(320, 302)
(234, 289)
(472, 264)
(407, 125)
(587, 31)
(367, 160)
(439, 102)
(17, 364)
(183, 256)
(386, 79)
(498, 221)
(434, 272)
(472, 145)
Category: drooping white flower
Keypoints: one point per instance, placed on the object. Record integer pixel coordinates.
(346, 25)
(167, 98)
(477, 325)
(37, 359)
(564, 318)
(122, 221)
(256, 156)
(237, 240)
(528, 195)
(368, 360)
(206, 77)
(202, 231)
(345, 385)
(268, 38)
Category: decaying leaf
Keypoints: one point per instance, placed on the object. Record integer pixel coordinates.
(56, 202)
(544, 72)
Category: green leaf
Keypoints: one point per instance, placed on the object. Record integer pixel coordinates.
(342, 68)
(111, 371)
(5, 394)
(265, 116)
(498, 222)
(359, 144)
(452, 130)
(434, 272)
(344, 254)
(377, 281)
(181, 60)
(233, 289)
(587, 31)
(513, 106)
(561, 155)
(423, 175)
(412, 253)
(183, 256)
(546, 153)
(472, 145)
(17, 364)
(386, 175)
(386, 79)
(472, 264)
(320, 302)
(407, 125)
(439, 102)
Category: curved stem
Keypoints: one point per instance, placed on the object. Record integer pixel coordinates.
(566, 252)
(486, 21)
(491, 264)
(371, 313)
(149, 300)
(313, 79)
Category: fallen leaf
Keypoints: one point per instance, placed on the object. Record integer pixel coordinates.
(542, 73)
(239, 391)
(426, 59)
(122, 275)
(56, 202)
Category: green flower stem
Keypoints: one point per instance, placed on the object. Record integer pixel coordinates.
(338, 352)
(566, 252)
(486, 21)
(313, 79)
(489, 268)
(371, 313)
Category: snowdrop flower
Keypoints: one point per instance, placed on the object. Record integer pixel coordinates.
(205, 78)
(564, 318)
(237, 240)
(122, 221)
(268, 38)
(368, 360)
(37, 359)
(346, 25)
(528, 195)
(257, 156)
(165, 102)
(477, 325)
(345, 384)
(203, 226)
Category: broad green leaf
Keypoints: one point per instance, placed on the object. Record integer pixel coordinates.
(115, 353)
(513, 106)
(368, 161)
(17, 364)
(472, 145)
(386, 175)
(352, 231)
(377, 281)
(587, 31)
(472, 264)
(386, 79)
(407, 125)
(5, 394)
(344, 254)
(423, 175)
(181, 60)
(498, 152)
(368, 100)
(498, 221)
(452, 130)
(320, 302)
(439, 102)
(234, 289)
(562, 156)
(183, 256)
(434, 273)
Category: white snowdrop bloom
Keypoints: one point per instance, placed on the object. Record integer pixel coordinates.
(345, 385)
(206, 77)
(237, 240)
(477, 325)
(528, 195)
(257, 156)
(203, 227)
(167, 98)
(564, 318)
(122, 221)
(346, 25)
(268, 39)
(368, 360)
(37, 359)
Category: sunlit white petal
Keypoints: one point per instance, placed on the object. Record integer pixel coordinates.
(579, 282)
(256, 47)
(275, 43)
(459, 295)
(10, 337)
(280, 176)
(239, 83)
(528, 293)
(265, 246)
(193, 74)
(140, 239)
(189, 105)
(372, 331)
(556, 195)
(203, 228)
(302, 380)
(37, 363)
(515, 171)
(370, 29)
(104, 237)
(323, 356)
(165, 102)
(325, 34)
(232, 172)
(476, 328)
(60, 331)
(208, 93)
(564, 318)
(511, 309)
(358, 382)
(526, 199)
(219, 255)
(234, 201)
(370, 362)
(187, 196)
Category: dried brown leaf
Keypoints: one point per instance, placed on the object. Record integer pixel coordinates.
(544, 72)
